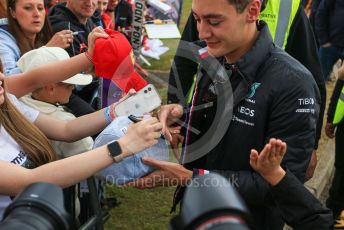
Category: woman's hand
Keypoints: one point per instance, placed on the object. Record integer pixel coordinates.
(97, 32)
(62, 39)
(140, 136)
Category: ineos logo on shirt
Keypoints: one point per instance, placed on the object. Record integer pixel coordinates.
(246, 111)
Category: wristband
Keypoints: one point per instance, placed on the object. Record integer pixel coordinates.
(109, 114)
(197, 172)
(87, 54)
(112, 111)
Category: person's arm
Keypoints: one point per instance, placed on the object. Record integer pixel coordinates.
(322, 24)
(72, 130)
(71, 170)
(48, 74)
(299, 208)
(81, 127)
(9, 53)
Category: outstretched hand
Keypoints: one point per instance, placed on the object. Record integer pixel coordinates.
(167, 174)
(268, 162)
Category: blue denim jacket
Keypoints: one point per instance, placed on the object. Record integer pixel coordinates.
(132, 167)
(9, 50)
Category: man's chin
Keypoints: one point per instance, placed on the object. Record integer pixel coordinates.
(214, 53)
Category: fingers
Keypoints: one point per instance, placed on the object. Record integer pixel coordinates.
(167, 115)
(152, 162)
(97, 32)
(152, 180)
(131, 92)
(254, 159)
(66, 36)
(265, 153)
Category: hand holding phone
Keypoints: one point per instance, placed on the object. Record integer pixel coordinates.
(144, 101)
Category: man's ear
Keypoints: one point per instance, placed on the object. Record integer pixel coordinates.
(253, 10)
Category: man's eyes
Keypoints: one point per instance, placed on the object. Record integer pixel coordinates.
(214, 22)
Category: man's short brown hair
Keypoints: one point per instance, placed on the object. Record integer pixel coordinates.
(239, 5)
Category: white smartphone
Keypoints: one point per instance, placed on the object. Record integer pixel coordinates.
(144, 101)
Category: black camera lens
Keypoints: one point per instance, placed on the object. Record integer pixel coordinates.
(149, 89)
(40, 206)
(145, 91)
(206, 206)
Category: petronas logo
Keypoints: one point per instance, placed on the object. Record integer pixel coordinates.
(253, 89)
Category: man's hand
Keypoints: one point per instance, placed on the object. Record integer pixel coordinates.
(268, 162)
(167, 174)
(330, 130)
(168, 115)
(177, 139)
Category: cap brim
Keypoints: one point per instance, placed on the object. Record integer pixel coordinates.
(79, 79)
(133, 81)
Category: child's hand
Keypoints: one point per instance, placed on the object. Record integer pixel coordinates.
(267, 163)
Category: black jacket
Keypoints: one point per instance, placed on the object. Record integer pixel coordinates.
(301, 45)
(62, 18)
(274, 97)
(299, 208)
(329, 22)
(123, 14)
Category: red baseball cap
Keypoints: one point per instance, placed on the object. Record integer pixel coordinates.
(113, 59)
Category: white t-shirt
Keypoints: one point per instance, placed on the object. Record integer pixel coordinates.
(10, 150)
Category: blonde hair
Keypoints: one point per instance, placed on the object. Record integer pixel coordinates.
(33, 142)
